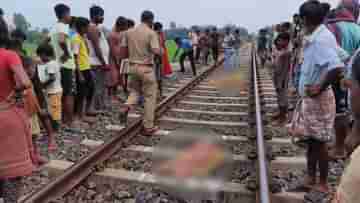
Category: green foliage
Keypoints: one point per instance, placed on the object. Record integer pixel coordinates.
(171, 47)
(21, 22)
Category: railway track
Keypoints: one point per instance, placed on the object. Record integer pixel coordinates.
(238, 121)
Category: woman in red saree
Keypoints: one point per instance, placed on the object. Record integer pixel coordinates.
(166, 71)
(15, 145)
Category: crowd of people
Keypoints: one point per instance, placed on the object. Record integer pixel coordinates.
(209, 42)
(77, 72)
(74, 75)
(315, 61)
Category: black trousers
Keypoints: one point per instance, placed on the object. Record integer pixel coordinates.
(198, 52)
(215, 53)
(190, 55)
(85, 91)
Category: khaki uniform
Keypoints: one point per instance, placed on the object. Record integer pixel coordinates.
(140, 42)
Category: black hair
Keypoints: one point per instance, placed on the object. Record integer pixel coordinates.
(286, 25)
(207, 30)
(177, 40)
(14, 44)
(121, 22)
(262, 31)
(313, 12)
(284, 36)
(96, 11)
(1, 12)
(45, 49)
(296, 15)
(147, 16)
(73, 21)
(158, 26)
(237, 31)
(61, 10)
(81, 23)
(326, 8)
(18, 34)
(131, 23)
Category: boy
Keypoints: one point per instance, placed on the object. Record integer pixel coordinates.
(281, 68)
(83, 68)
(50, 77)
(34, 111)
(61, 42)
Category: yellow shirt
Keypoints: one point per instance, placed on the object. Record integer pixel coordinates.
(82, 52)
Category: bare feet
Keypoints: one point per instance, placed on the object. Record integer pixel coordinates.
(309, 182)
(324, 188)
(337, 154)
(42, 160)
(52, 146)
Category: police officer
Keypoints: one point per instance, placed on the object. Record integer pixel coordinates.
(141, 44)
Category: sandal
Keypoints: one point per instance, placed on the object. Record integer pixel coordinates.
(124, 112)
(150, 131)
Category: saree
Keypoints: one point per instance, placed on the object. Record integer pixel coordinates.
(16, 152)
(167, 70)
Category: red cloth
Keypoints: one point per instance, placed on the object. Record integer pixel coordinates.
(7, 81)
(167, 70)
(15, 144)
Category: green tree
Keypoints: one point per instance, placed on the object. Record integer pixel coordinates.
(21, 22)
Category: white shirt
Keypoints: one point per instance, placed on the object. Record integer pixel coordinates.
(194, 39)
(104, 46)
(61, 28)
(45, 70)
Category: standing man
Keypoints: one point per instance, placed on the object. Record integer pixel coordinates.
(115, 38)
(141, 44)
(237, 44)
(214, 37)
(262, 46)
(228, 45)
(205, 44)
(61, 43)
(158, 28)
(196, 44)
(99, 55)
(188, 51)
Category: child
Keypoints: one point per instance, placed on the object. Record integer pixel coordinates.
(33, 109)
(50, 77)
(281, 71)
(85, 80)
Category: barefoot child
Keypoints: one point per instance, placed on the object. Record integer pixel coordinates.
(84, 74)
(50, 77)
(33, 109)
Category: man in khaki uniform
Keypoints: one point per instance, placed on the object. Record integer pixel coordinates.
(142, 44)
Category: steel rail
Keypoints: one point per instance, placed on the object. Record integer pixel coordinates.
(261, 151)
(86, 166)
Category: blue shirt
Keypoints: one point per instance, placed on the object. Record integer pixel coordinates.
(320, 56)
(350, 36)
(185, 44)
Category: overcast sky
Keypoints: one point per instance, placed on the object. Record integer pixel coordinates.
(251, 14)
